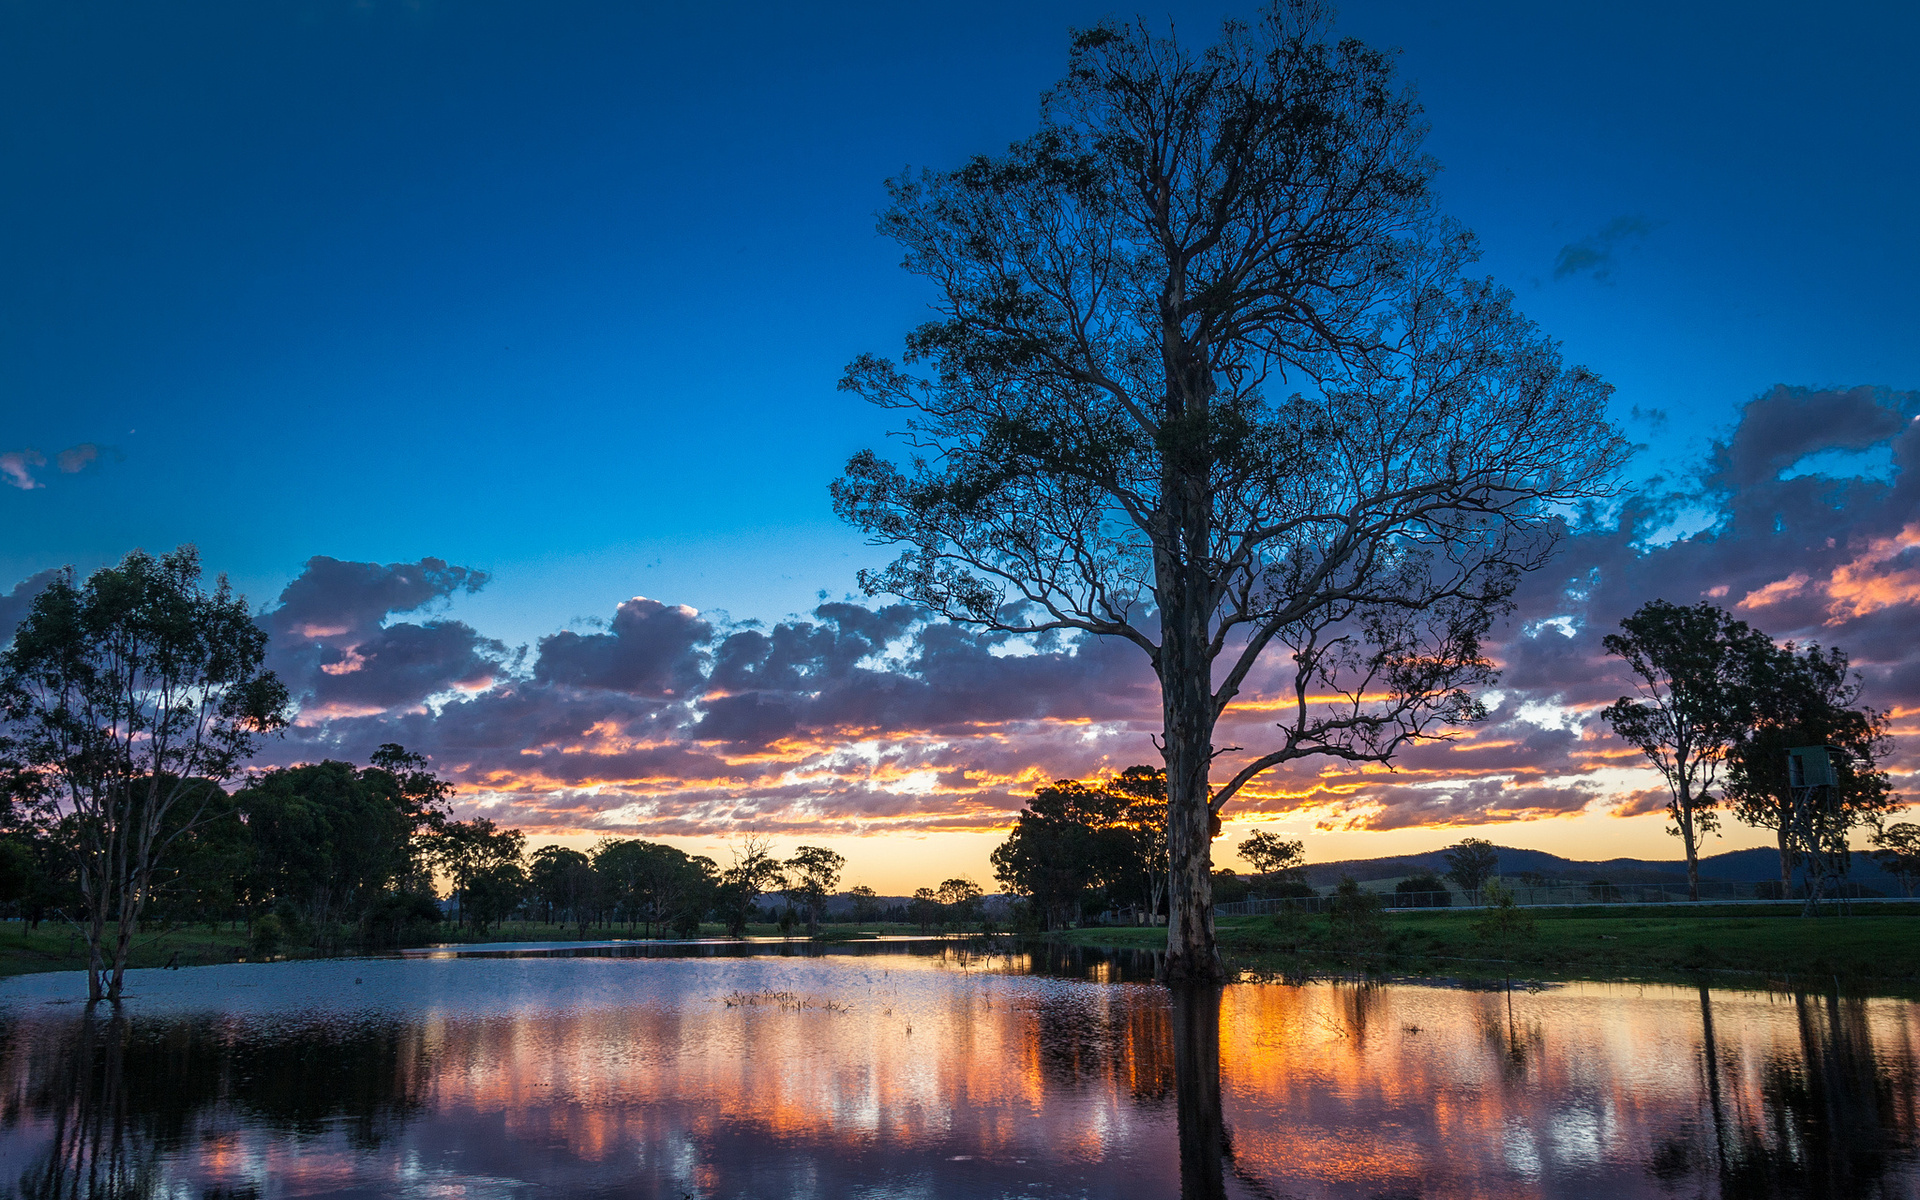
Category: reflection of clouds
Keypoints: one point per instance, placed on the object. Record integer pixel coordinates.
(578, 1075)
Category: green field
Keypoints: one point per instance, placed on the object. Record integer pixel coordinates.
(1879, 943)
(57, 947)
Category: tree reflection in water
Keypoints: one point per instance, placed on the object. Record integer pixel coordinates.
(949, 1073)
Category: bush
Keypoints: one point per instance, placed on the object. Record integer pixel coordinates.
(1287, 889)
(1355, 917)
(1229, 887)
(398, 919)
(268, 935)
(1425, 890)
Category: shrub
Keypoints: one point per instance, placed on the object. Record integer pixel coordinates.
(268, 935)
(1425, 890)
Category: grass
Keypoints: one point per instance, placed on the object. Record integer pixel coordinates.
(1879, 943)
(59, 947)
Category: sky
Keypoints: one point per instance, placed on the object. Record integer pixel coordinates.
(492, 350)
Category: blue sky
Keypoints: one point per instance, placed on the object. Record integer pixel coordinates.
(562, 292)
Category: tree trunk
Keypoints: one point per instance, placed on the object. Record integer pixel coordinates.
(1687, 840)
(1192, 953)
(1786, 862)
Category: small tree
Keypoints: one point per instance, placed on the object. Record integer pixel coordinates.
(128, 696)
(866, 905)
(753, 871)
(959, 901)
(1897, 850)
(1208, 377)
(1471, 862)
(1503, 925)
(924, 909)
(1695, 667)
(1354, 917)
(812, 874)
(1271, 855)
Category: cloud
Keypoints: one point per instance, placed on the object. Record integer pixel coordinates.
(334, 647)
(14, 604)
(1593, 254)
(16, 466)
(857, 718)
(75, 459)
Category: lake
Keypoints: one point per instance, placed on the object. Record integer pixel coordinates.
(930, 1070)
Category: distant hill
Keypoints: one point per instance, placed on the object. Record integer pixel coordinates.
(1734, 866)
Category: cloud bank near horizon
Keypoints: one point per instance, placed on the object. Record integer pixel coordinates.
(859, 718)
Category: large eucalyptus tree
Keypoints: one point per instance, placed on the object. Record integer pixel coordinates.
(1207, 376)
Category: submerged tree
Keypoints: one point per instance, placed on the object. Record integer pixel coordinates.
(1208, 377)
(1696, 669)
(132, 696)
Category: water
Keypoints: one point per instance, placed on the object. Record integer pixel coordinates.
(923, 1071)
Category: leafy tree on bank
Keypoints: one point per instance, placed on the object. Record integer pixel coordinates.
(492, 893)
(924, 909)
(128, 695)
(866, 904)
(1274, 856)
(1696, 669)
(1471, 862)
(1078, 841)
(1208, 377)
(1809, 697)
(959, 901)
(329, 837)
(563, 884)
(1897, 849)
(811, 876)
(465, 849)
(752, 872)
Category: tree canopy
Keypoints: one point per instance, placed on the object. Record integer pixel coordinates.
(1208, 376)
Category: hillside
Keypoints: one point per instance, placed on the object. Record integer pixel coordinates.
(1734, 866)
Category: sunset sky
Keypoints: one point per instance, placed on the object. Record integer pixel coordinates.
(492, 350)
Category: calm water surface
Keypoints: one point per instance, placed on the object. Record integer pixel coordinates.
(925, 1071)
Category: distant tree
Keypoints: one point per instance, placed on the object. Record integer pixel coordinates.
(1429, 889)
(1503, 925)
(866, 905)
(1140, 839)
(492, 893)
(1354, 917)
(924, 909)
(1271, 855)
(959, 901)
(1060, 848)
(1207, 376)
(464, 849)
(561, 880)
(752, 872)
(1897, 849)
(811, 875)
(127, 696)
(1471, 862)
(327, 837)
(1695, 668)
(1808, 697)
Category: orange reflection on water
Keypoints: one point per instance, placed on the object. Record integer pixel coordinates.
(939, 1074)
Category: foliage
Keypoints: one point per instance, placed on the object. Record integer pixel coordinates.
(1430, 889)
(1502, 923)
(1809, 697)
(492, 892)
(564, 885)
(1272, 855)
(1354, 918)
(1208, 377)
(1695, 668)
(1897, 849)
(127, 696)
(866, 905)
(466, 849)
(1471, 862)
(753, 871)
(1080, 843)
(811, 876)
(328, 836)
(959, 901)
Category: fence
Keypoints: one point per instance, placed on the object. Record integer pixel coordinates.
(1559, 895)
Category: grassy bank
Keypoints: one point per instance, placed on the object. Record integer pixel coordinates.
(57, 947)
(1877, 943)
